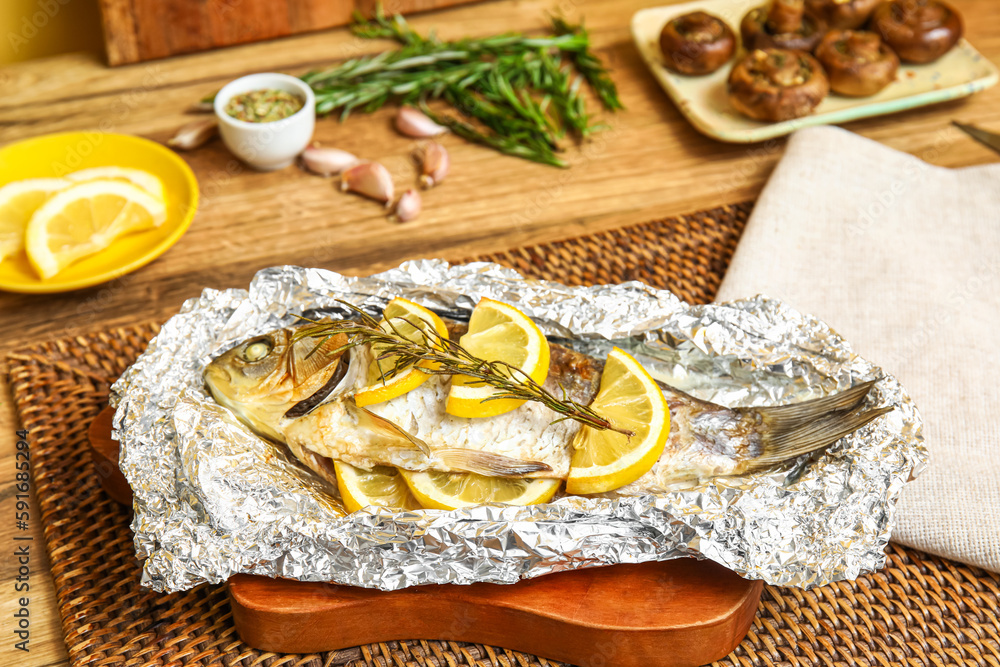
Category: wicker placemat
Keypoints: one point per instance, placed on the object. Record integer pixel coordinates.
(919, 610)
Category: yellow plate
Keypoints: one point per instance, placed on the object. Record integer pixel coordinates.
(58, 154)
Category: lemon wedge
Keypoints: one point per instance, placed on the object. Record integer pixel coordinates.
(383, 486)
(630, 398)
(85, 219)
(498, 332)
(18, 202)
(451, 490)
(137, 177)
(412, 321)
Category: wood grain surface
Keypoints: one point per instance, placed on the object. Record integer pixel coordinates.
(674, 614)
(140, 30)
(649, 164)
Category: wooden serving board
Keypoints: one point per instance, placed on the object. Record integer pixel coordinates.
(139, 30)
(678, 613)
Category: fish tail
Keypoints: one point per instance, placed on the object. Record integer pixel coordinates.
(487, 463)
(801, 428)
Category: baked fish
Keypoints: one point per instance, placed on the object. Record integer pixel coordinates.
(298, 392)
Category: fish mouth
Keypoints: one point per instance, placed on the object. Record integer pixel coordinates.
(215, 378)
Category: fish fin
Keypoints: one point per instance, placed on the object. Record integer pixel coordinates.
(487, 463)
(373, 422)
(318, 463)
(307, 405)
(805, 427)
(312, 355)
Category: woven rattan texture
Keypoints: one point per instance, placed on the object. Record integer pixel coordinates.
(687, 255)
(919, 610)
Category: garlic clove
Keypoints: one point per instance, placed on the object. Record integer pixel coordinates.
(434, 165)
(415, 123)
(370, 179)
(408, 206)
(194, 135)
(327, 161)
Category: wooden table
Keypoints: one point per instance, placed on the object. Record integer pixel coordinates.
(650, 164)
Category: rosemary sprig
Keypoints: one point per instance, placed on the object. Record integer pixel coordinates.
(442, 356)
(516, 92)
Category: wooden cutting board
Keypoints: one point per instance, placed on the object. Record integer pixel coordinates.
(139, 30)
(678, 613)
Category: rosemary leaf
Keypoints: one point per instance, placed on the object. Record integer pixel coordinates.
(590, 66)
(516, 145)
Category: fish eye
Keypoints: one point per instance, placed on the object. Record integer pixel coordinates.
(257, 350)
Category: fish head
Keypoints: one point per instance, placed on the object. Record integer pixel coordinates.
(261, 379)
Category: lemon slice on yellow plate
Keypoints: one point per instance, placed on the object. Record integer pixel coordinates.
(52, 156)
(415, 323)
(86, 218)
(451, 490)
(498, 332)
(137, 177)
(630, 398)
(18, 202)
(383, 486)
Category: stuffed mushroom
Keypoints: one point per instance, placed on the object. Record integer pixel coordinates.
(919, 31)
(697, 43)
(858, 63)
(777, 84)
(783, 25)
(842, 14)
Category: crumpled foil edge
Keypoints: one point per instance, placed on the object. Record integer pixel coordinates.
(212, 500)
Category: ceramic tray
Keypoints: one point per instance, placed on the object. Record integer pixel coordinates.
(703, 100)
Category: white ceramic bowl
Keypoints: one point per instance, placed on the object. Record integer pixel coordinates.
(273, 145)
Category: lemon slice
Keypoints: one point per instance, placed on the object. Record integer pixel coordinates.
(85, 219)
(382, 487)
(137, 177)
(18, 201)
(630, 399)
(498, 332)
(451, 490)
(410, 320)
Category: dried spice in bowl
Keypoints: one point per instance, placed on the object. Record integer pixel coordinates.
(264, 106)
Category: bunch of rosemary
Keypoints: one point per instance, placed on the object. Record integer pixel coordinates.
(442, 356)
(517, 94)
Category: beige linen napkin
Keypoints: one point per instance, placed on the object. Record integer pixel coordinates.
(903, 259)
